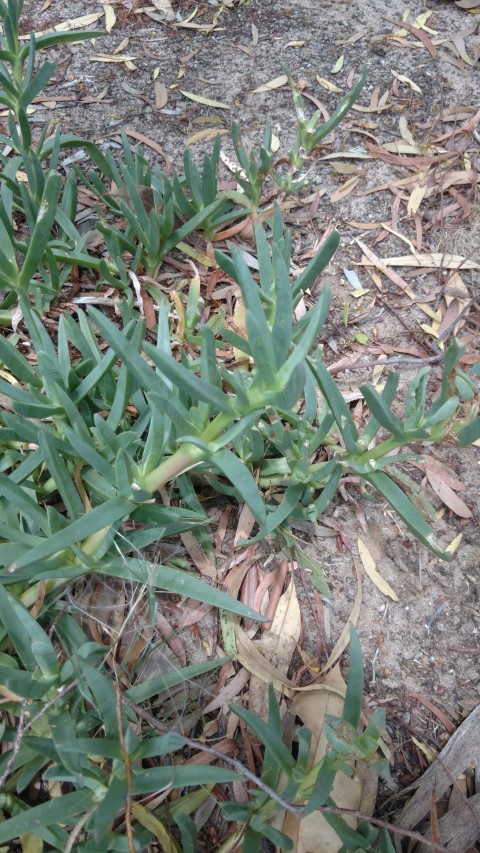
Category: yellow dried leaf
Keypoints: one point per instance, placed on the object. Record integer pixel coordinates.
(104, 57)
(72, 24)
(373, 574)
(344, 637)
(110, 17)
(338, 65)
(402, 79)
(434, 315)
(123, 44)
(156, 827)
(295, 44)
(416, 197)
(273, 84)
(455, 542)
(405, 132)
(331, 87)
(429, 259)
(345, 189)
(199, 99)
(429, 752)
(208, 135)
(429, 330)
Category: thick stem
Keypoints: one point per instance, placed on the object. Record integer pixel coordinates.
(184, 458)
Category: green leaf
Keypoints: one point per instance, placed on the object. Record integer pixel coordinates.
(61, 475)
(146, 780)
(25, 633)
(352, 708)
(234, 470)
(43, 227)
(165, 681)
(316, 319)
(60, 810)
(268, 736)
(406, 510)
(178, 582)
(92, 522)
(336, 404)
(382, 412)
(469, 433)
(316, 266)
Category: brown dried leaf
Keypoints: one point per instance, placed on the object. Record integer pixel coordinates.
(445, 493)
(313, 834)
(345, 189)
(418, 34)
(277, 645)
(161, 95)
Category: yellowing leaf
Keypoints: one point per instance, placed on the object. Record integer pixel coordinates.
(199, 99)
(152, 823)
(429, 752)
(110, 17)
(402, 79)
(331, 87)
(416, 197)
(454, 544)
(31, 843)
(369, 566)
(338, 65)
(208, 135)
(273, 84)
(105, 57)
(405, 132)
(72, 24)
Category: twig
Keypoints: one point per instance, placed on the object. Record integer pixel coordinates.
(78, 827)
(297, 811)
(355, 365)
(128, 771)
(432, 359)
(16, 745)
